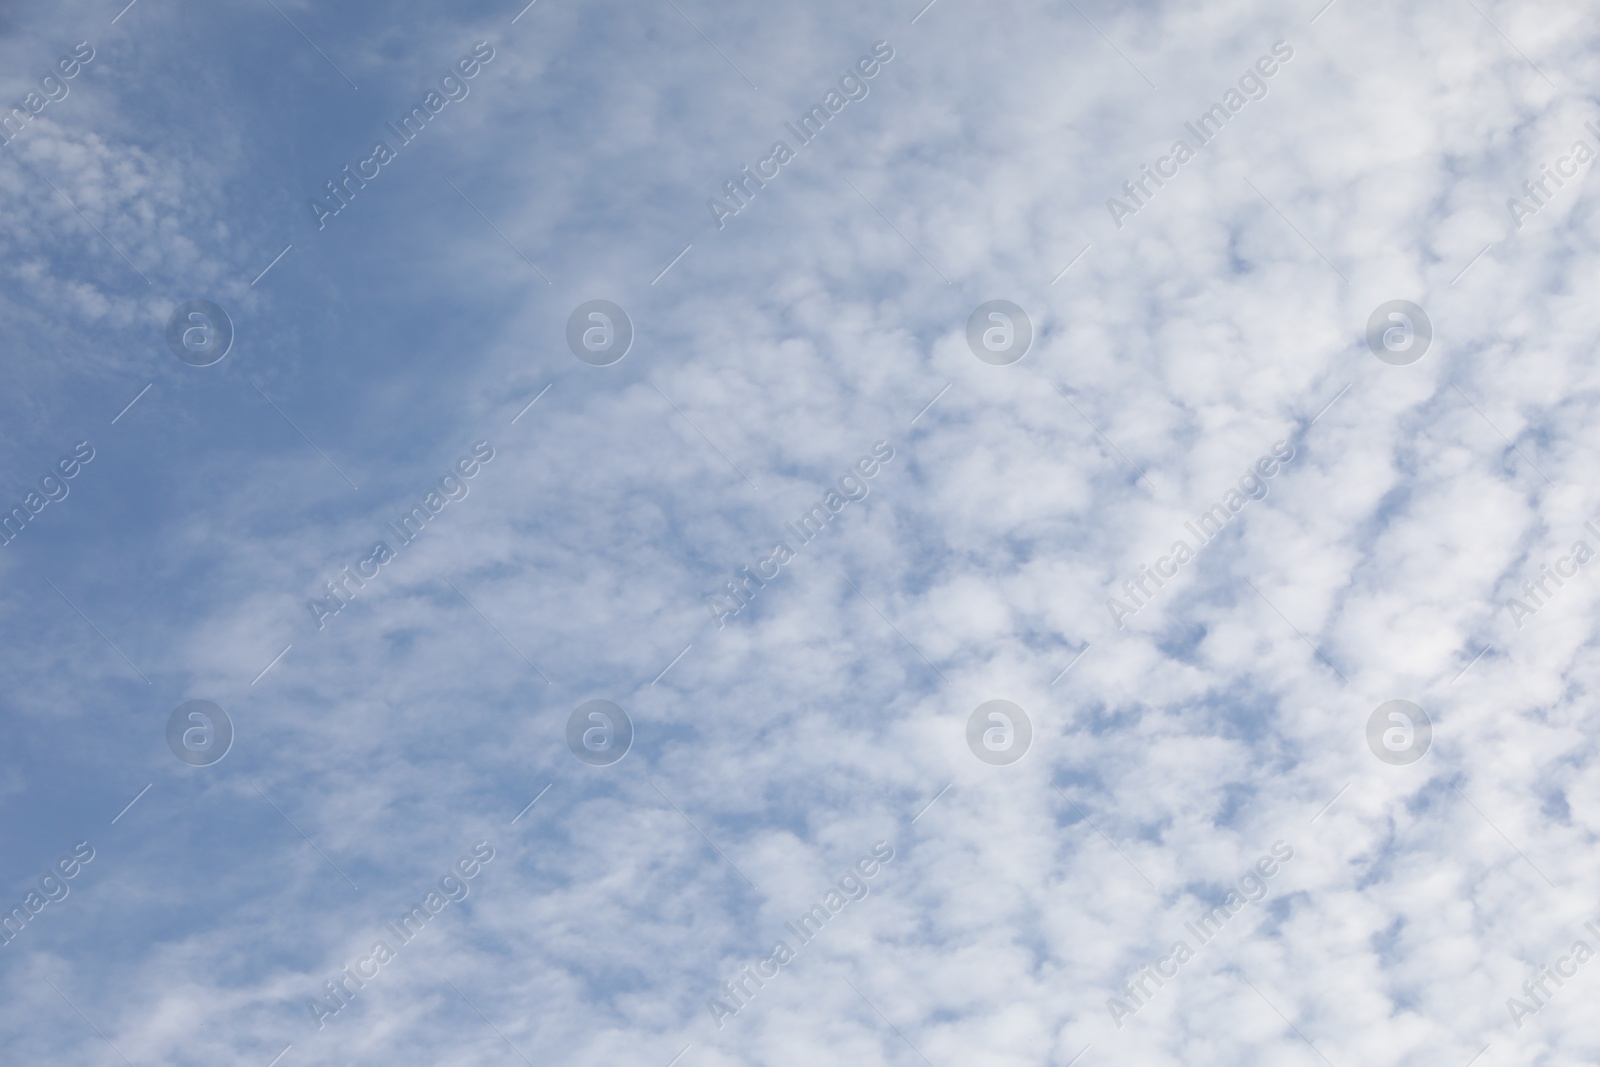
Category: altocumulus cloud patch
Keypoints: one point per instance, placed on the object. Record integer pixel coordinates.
(1155, 441)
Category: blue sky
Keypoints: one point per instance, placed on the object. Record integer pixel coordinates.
(769, 355)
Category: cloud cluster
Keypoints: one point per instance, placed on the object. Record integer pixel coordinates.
(1229, 711)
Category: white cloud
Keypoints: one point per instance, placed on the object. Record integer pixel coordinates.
(824, 717)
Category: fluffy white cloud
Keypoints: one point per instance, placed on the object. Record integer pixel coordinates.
(1168, 755)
